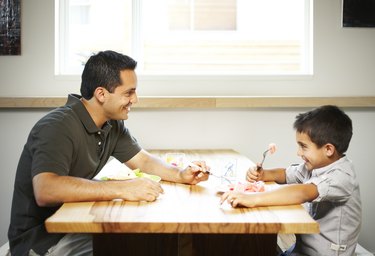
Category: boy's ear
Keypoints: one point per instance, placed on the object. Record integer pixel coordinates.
(330, 149)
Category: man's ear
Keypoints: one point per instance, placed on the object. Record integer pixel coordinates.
(99, 94)
(330, 149)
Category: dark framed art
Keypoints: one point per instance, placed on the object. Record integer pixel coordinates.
(10, 27)
(358, 13)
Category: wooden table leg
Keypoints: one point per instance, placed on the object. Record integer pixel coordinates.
(135, 244)
(173, 245)
(233, 244)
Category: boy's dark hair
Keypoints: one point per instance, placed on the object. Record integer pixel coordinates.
(103, 69)
(326, 124)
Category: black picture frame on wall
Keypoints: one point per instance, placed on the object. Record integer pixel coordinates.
(10, 27)
(358, 13)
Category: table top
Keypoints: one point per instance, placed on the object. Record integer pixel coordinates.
(184, 208)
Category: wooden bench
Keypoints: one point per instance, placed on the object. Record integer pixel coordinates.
(4, 249)
(285, 241)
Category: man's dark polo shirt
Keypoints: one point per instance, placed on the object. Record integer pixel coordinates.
(66, 142)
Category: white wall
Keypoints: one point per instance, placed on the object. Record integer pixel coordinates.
(247, 131)
(344, 62)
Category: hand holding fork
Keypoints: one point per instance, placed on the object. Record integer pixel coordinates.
(213, 174)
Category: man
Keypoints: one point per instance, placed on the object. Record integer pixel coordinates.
(70, 145)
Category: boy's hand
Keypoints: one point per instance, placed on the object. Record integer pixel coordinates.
(238, 199)
(255, 173)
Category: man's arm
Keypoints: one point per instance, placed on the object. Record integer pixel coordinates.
(51, 189)
(154, 165)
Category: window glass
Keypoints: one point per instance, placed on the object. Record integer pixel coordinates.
(206, 37)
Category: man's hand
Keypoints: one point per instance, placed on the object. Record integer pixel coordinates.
(196, 172)
(139, 189)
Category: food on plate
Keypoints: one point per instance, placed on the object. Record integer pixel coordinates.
(131, 174)
(257, 186)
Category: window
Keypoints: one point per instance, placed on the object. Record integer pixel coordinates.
(201, 15)
(188, 37)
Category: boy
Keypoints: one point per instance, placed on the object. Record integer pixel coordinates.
(325, 181)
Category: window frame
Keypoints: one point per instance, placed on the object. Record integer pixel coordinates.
(61, 7)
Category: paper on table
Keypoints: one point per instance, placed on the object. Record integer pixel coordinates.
(114, 168)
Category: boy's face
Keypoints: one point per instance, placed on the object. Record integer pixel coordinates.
(313, 156)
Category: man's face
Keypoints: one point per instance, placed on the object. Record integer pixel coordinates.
(117, 104)
(313, 156)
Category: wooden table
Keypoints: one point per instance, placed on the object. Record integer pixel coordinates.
(185, 220)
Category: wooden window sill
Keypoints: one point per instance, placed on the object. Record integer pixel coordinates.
(202, 102)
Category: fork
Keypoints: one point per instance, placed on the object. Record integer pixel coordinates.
(220, 177)
(271, 148)
(211, 173)
(264, 157)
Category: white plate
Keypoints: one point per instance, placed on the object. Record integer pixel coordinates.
(142, 175)
(115, 170)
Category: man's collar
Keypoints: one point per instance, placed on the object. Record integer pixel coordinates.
(75, 103)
